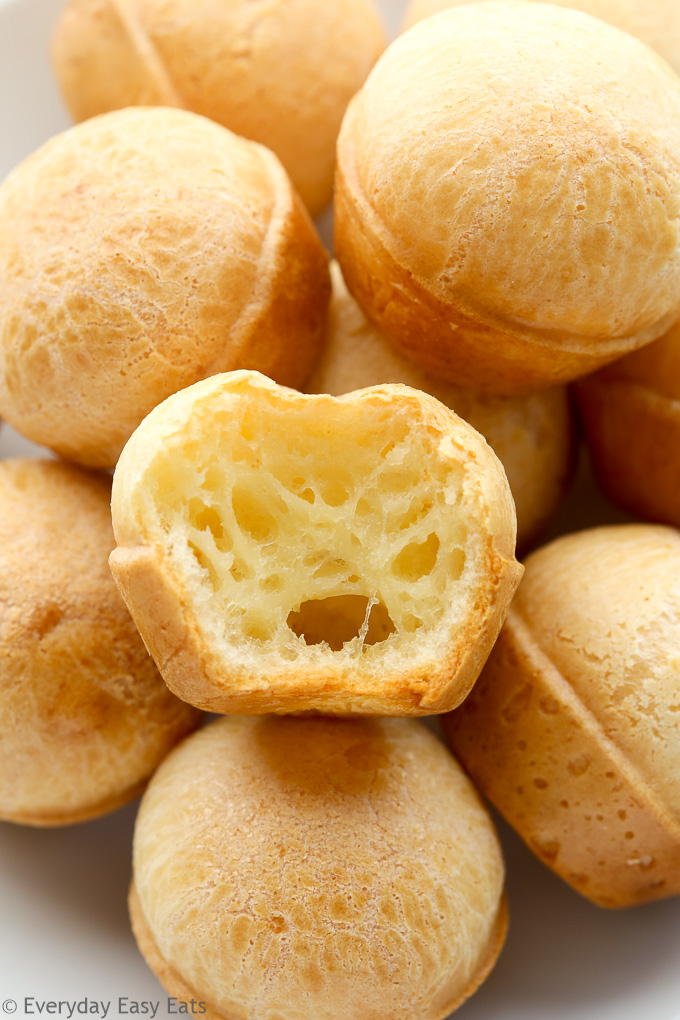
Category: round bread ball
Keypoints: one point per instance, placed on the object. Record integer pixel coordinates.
(515, 222)
(532, 436)
(655, 22)
(317, 868)
(281, 73)
(631, 412)
(282, 552)
(85, 717)
(139, 252)
(573, 730)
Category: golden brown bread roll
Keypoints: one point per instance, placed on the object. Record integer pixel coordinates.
(516, 223)
(655, 22)
(532, 436)
(85, 718)
(139, 252)
(317, 869)
(572, 729)
(631, 412)
(281, 73)
(287, 553)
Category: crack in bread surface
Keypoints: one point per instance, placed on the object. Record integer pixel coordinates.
(304, 534)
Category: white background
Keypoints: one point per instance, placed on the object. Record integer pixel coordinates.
(64, 932)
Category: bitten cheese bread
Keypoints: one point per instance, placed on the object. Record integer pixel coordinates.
(631, 413)
(84, 716)
(508, 195)
(287, 553)
(317, 869)
(139, 252)
(532, 436)
(655, 22)
(573, 730)
(280, 73)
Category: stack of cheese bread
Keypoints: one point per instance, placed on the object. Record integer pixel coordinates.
(322, 470)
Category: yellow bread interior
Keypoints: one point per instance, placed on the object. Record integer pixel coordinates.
(365, 530)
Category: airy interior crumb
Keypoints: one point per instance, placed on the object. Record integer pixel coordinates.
(306, 535)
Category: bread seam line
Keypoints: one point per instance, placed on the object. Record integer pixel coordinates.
(151, 60)
(583, 714)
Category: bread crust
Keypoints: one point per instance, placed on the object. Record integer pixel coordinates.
(193, 663)
(49, 820)
(631, 413)
(194, 670)
(442, 339)
(654, 22)
(564, 772)
(177, 987)
(85, 717)
(187, 255)
(468, 330)
(316, 868)
(243, 67)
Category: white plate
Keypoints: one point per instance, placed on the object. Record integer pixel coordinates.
(64, 933)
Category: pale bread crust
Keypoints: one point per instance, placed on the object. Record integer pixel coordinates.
(244, 67)
(84, 714)
(466, 326)
(49, 820)
(192, 255)
(195, 667)
(631, 413)
(329, 797)
(569, 776)
(654, 22)
(177, 987)
(532, 436)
